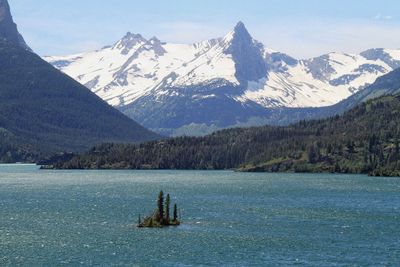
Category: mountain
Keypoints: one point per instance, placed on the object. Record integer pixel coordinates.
(8, 29)
(364, 140)
(44, 111)
(223, 82)
(45, 107)
(388, 84)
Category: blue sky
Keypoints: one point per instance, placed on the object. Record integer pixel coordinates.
(301, 28)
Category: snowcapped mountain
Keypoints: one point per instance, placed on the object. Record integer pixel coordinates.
(220, 82)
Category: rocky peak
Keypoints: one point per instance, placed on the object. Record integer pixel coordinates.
(240, 31)
(247, 54)
(157, 46)
(129, 41)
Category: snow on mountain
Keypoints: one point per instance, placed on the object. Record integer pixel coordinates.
(318, 82)
(133, 66)
(138, 72)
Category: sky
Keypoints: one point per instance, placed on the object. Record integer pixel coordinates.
(300, 28)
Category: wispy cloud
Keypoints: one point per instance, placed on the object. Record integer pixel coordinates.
(379, 16)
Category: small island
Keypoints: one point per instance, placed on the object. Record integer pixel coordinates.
(161, 216)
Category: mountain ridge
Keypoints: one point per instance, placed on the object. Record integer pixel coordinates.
(236, 73)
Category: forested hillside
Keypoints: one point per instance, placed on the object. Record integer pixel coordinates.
(13, 149)
(44, 111)
(363, 140)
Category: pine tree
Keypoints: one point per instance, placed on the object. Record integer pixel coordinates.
(313, 153)
(160, 204)
(167, 204)
(175, 212)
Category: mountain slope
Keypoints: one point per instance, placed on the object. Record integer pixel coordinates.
(388, 84)
(44, 111)
(8, 29)
(44, 107)
(223, 82)
(363, 140)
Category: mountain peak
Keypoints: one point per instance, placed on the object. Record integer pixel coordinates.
(130, 35)
(240, 31)
(8, 29)
(129, 41)
(246, 52)
(240, 27)
(239, 34)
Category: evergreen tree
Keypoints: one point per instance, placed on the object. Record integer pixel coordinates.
(350, 147)
(175, 212)
(313, 153)
(167, 205)
(160, 204)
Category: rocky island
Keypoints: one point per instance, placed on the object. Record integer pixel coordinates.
(161, 216)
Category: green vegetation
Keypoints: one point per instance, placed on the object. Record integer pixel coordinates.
(175, 213)
(363, 140)
(43, 111)
(12, 150)
(159, 218)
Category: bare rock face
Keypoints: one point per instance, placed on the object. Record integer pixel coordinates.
(8, 29)
(246, 52)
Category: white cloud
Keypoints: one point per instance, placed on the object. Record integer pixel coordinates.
(379, 16)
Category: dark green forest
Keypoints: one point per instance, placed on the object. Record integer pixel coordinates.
(362, 140)
(12, 150)
(43, 111)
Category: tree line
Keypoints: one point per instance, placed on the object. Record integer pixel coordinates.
(363, 140)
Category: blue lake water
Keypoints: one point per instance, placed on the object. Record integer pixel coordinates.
(83, 218)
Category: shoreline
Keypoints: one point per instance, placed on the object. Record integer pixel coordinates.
(239, 170)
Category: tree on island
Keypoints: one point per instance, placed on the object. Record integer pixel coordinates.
(175, 212)
(167, 204)
(160, 204)
(161, 216)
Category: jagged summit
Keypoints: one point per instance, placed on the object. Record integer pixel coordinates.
(240, 29)
(132, 36)
(249, 62)
(239, 32)
(129, 41)
(8, 29)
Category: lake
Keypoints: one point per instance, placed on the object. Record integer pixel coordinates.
(81, 218)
